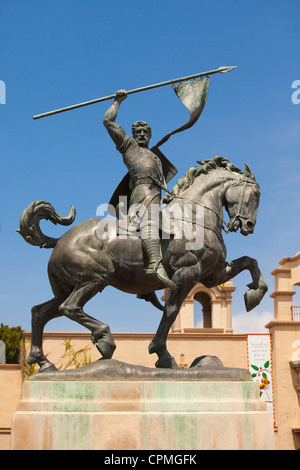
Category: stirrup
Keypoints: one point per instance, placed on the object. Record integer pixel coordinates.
(159, 271)
(153, 269)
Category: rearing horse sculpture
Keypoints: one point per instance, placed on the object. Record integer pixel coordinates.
(83, 264)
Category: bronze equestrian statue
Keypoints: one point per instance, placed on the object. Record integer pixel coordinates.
(82, 264)
(178, 247)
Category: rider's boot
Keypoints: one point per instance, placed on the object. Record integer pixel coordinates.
(151, 248)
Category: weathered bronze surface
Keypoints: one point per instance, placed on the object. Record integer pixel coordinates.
(113, 370)
(187, 246)
(82, 264)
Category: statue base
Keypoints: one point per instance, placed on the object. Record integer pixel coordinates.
(143, 413)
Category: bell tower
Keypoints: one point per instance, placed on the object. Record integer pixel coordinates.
(216, 310)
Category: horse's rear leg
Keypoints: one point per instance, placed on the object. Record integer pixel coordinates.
(72, 308)
(40, 315)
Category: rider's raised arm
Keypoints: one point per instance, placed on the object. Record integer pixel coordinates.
(115, 131)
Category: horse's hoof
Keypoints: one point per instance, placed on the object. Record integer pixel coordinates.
(106, 348)
(253, 297)
(49, 367)
(167, 363)
(251, 300)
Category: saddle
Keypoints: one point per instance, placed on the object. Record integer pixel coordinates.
(173, 221)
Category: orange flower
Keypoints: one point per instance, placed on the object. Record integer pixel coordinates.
(264, 383)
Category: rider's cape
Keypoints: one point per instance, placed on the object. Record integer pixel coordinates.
(169, 170)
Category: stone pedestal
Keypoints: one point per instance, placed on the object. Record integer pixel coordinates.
(141, 415)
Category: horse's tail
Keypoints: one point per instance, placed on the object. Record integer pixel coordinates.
(30, 223)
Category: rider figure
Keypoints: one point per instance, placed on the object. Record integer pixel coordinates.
(146, 180)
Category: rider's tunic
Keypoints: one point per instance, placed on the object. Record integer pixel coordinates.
(142, 163)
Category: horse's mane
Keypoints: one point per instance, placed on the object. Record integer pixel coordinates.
(207, 165)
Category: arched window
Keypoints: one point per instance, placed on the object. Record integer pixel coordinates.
(205, 301)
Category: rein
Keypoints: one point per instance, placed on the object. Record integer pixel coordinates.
(206, 207)
(239, 211)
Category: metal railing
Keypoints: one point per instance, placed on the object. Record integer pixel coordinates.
(296, 313)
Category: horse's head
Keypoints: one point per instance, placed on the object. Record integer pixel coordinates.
(241, 202)
(241, 191)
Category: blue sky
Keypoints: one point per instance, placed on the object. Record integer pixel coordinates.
(55, 54)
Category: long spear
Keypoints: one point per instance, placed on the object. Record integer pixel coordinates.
(136, 90)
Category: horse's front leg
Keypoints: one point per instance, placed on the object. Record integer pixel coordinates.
(258, 286)
(185, 280)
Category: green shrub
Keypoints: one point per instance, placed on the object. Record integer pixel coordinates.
(12, 338)
(71, 358)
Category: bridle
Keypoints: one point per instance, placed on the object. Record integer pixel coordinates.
(240, 213)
